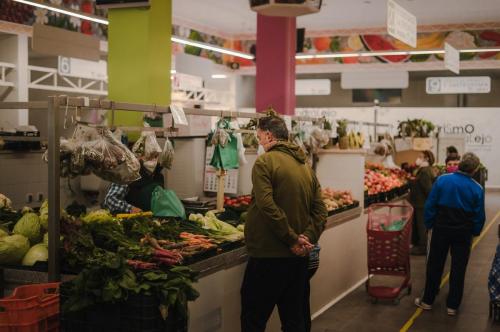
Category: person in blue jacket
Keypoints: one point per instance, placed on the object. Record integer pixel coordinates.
(455, 212)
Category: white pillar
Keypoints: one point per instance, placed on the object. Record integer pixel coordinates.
(14, 50)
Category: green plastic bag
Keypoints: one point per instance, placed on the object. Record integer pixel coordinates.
(394, 227)
(225, 157)
(165, 203)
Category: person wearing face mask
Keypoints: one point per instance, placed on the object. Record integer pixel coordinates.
(452, 161)
(285, 219)
(420, 188)
(455, 212)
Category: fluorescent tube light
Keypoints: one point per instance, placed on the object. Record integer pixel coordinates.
(305, 56)
(60, 10)
(383, 53)
(480, 50)
(219, 76)
(426, 52)
(211, 47)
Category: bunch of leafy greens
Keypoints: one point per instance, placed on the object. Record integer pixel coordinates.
(100, 250)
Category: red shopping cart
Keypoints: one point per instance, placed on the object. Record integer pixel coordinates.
(389, 235)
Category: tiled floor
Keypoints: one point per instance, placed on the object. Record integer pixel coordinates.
(356, 313)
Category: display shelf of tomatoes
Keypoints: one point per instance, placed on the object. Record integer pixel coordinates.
(239, 203)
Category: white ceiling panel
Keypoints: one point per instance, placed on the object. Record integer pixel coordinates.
(234, 17)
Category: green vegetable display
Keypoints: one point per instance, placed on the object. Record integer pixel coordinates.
(13, 248)
(37, 253)
(29, 226)
(219, 230)
(44, 215)
(98, 216)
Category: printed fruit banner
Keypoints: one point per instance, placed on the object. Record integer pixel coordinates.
(425, 41)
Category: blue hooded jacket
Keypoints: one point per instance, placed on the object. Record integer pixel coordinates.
(456, 201)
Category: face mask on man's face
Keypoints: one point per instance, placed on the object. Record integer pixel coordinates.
(451, 169)
(419, 161)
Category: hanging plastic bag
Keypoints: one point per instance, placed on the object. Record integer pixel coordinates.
(166, 158)
(148, 149)
(165, 203)
(72, 159)
(241, 149)
(226, 147)
(111, 160)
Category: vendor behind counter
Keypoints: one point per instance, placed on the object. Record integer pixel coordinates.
(136, 196)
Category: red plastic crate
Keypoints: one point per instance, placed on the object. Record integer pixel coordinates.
(31, 308)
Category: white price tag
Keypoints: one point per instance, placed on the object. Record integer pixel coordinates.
(401, 24)
(178, 115)
(452, 58)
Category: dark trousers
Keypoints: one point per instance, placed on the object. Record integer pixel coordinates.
(270, 282)
(458, 242)
(307, 299)
(419, 232)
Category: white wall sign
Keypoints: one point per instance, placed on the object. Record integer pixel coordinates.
(466, 84)
(82, 68)
(313, 87)
(452, 58)
(387, 79)
(186, 82)
(401, 24)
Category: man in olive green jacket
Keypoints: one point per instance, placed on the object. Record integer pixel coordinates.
(286, 217)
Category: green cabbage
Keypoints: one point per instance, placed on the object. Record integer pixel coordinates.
(5, 202)
(13, 248)
(37, 253)
(29, 226)
(44, 215)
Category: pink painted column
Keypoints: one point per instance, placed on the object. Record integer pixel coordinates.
(276, 45)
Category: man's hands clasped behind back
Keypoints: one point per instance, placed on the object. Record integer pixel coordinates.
(302, 247)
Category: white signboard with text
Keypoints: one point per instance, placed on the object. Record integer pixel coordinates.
(401, 24)
(451, 58)
(95, 70)
(453, 85)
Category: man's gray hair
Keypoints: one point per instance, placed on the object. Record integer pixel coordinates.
(275, 125)
(470, 163)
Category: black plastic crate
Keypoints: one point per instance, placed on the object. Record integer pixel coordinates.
(138, 313)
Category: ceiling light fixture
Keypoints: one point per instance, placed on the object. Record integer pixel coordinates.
(219, 76)
(69, 12)
(304, 56)
(211, 47)
(173, 71)
(480, 50)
